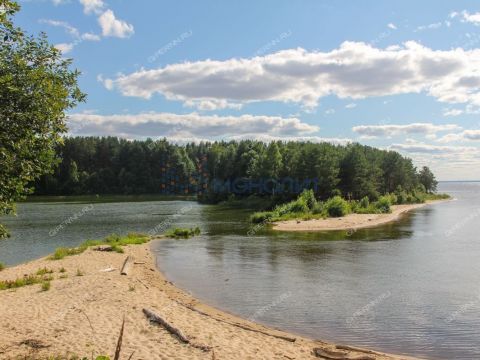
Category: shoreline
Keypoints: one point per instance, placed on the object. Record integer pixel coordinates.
(82, 315)
(350, 222)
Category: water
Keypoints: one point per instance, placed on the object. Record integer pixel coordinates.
(412, 287)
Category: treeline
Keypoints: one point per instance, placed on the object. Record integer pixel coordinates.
(217, 171)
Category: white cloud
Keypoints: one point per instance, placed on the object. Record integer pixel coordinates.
(90, 37)
(421, 148)
(355, 70)
(467, 135)
(432, 26)
(330, 111)
(111, 26)
(312, 139)
(351, 106)
(92, 6)
(471, 18)
(392, 26)
(65, 48)
(373, 131)
(452, 112)
(212, 104)
(187, 125)
(68, 28)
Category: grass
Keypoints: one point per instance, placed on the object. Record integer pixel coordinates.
(114, 240)
(62, 270)
(46, 285)
(2, 267)
(44, 271)
(182, 233)
(79, 273)
(20, 282)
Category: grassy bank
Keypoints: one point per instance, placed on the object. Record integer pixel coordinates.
(307, 207)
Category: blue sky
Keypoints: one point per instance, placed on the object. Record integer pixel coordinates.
(398, 75)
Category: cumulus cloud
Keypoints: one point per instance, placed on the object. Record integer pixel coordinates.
(355, 70)
(111, 26)
(467, 135)
(351, 106)
(65, 48)
(312, 139)
(468, 17)
(392, 26)
(420, 148)
(92, 6)
(373, 131)
(191, 125)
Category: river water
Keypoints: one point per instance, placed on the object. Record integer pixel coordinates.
(410, 287)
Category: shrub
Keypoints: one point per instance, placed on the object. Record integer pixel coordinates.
(383, 204)
(318, 208)
(45, 285)
(299, 206)
(308, 197)
(260, 217)
(365, 202)
(184, 233)
(336, 207)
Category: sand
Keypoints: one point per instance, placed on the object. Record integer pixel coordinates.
(82, 315)
(351, 222)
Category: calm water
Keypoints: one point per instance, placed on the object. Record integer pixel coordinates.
(412, 287)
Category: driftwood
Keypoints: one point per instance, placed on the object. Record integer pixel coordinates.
(244, 327)
(338, 355)
(126, 265)
(103, 248)
(173, 330)
(118, 349)
(354, 348)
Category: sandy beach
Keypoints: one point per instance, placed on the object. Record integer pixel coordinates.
(82, 316)
(351, 222)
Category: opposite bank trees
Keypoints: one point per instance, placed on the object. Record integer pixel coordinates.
(36, 88)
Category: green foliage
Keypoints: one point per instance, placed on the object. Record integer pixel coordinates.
(46, 285)
(260, 217)
(383, 204)
(427, 179)
(20, 282)
(364, 202)
(114, 240)
(2, 267)
(44, 271)
(337, 207)
(37, 87)
(308, 197)
(182, 233)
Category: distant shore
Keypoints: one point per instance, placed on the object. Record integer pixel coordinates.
(81, 314)
(351, 222)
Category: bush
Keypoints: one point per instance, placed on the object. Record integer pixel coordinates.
(299, 206)
(45, 285)
(184, 233)
(383, 204)
(337, 207)
(365, 202)
(260, 217)
(318, 208)
(308, 197)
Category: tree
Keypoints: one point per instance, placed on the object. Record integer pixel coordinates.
(427, 179)
(36, 88)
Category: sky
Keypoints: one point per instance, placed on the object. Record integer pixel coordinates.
(401, 75)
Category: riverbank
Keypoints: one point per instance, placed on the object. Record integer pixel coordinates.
(81, 314)
(350, 222)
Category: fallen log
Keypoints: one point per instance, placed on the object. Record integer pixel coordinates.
(126, 265)
(354, 348)
(153, 317)
(337, 355)
(244, 327)
(103, 248)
